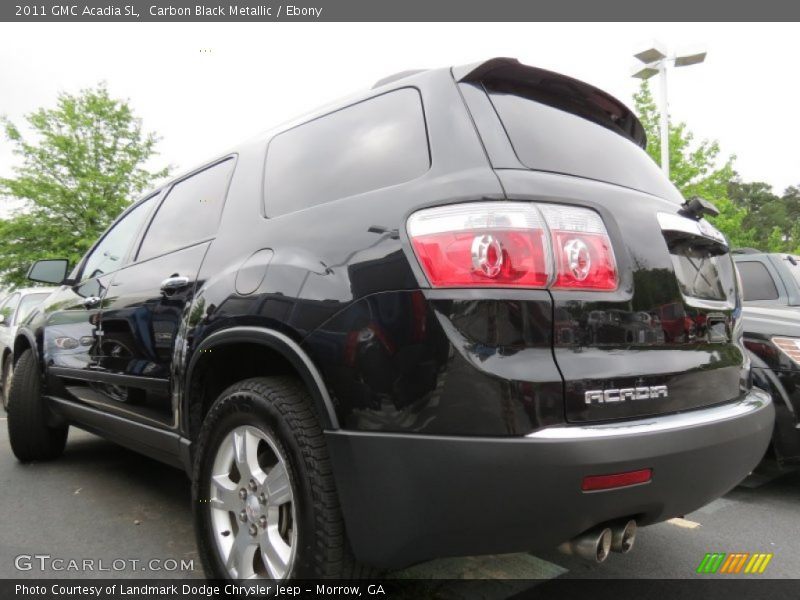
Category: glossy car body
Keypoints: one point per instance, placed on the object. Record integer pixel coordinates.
(772, 310)
(456, 418)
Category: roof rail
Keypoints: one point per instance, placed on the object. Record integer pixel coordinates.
(746, 251)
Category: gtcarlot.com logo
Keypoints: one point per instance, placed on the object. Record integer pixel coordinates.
(46, 562)
(734, 563)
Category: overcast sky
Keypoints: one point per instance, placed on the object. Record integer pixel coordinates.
(251, 77)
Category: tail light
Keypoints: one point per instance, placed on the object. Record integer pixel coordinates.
(583, 254)
(790, 347)
(513, 244)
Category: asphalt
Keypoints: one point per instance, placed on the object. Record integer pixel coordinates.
(101, 501)
(98, 501)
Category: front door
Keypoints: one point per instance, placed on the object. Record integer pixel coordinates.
(73, 335)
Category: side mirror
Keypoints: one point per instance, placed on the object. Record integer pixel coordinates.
(3, 320)
(49, 270)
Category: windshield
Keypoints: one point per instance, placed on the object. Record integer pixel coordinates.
(28, 303)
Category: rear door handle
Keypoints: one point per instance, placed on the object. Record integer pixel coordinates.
(174, 283)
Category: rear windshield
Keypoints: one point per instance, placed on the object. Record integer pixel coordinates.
(550, 139)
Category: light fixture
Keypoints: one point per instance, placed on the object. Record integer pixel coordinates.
(656, 59)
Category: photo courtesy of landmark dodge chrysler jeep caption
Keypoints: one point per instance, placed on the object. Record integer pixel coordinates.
(460, 313)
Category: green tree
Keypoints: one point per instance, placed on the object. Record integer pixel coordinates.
(773, 220)
(790, 226)
(84, 165)
(764, 210)
(696, 169)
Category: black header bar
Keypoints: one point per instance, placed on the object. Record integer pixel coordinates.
(398, 10)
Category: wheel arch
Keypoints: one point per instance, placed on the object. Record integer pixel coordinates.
(786, 438)
(764, 377)
(24, 341)
(272, 341)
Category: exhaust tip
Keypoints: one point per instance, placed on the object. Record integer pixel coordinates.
(593, 546)
(604, 544)
(623, 537)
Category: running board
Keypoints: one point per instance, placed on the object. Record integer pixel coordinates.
(162, 445)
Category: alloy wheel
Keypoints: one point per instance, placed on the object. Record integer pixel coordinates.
(252, 506)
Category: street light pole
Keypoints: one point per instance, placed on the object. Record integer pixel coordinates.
(664, 109)
(656, 60)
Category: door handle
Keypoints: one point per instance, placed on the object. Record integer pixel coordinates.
(91, 301)
(174, 283)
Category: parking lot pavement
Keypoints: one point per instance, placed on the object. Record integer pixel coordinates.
(98, 501)
(101, 501)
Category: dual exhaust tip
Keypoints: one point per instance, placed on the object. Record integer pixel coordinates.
(596, 544)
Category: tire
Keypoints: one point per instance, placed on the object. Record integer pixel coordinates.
(5, 380)
(30, 436)
(291, 493)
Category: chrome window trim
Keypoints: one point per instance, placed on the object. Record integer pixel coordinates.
(701, 228)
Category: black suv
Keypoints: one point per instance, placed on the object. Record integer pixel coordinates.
(771, 287)
(460, 313)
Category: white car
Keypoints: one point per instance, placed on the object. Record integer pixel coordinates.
(13, 310)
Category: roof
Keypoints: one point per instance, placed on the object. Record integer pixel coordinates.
(551, 88)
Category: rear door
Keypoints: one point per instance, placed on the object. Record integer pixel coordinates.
(143, 310)
(788, 267)
(663, 340)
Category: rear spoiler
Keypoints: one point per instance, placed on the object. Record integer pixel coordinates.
(510, 76)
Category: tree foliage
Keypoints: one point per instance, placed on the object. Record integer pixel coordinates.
(696, 169)
(772, 220)
(84, 164)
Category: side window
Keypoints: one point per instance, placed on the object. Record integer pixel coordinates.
(367, 146)
(757, 283)
(9, 306)
(190, 213)
(110, 252)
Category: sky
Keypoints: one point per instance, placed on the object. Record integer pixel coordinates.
(204, 87)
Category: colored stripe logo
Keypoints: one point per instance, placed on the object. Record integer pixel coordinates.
(734, 563)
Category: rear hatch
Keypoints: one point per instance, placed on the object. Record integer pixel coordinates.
(664, 339)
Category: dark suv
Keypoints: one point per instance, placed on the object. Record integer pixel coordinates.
(434, 319)
(771, 286)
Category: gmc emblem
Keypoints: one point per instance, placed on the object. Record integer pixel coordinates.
(651, 392)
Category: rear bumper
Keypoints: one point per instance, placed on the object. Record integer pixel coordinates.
(409, 498)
